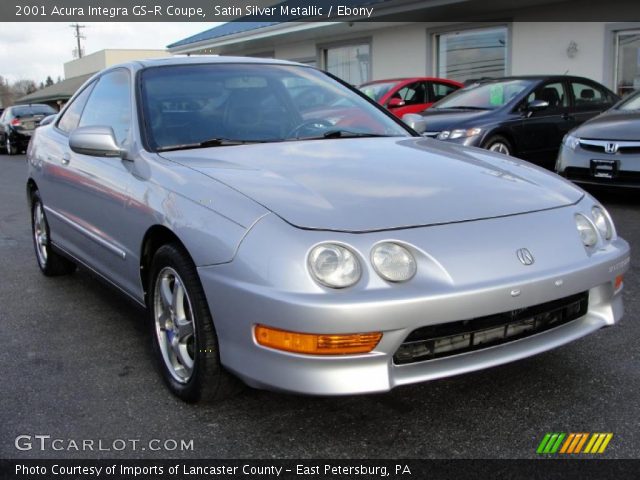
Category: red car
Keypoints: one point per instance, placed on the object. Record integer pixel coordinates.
(409, 95)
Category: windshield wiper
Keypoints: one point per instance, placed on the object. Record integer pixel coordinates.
(463, 108)
(211, 142)
(339, 133)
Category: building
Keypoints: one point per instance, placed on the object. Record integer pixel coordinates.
(77, 71)
(497, 38)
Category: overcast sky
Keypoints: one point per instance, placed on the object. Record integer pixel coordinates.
(35, 50)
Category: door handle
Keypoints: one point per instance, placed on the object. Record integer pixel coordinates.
(66, 158)
(567, 116)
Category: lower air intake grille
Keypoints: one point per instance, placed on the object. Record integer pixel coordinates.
(446, 339)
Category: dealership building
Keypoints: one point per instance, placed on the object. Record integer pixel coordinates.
(496, 38)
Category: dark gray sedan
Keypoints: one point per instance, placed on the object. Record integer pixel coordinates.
(606, 149)
(311, 246)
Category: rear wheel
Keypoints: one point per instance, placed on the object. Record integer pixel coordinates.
(51, 263)
(184, 338)
(10, 148)
(499, 144)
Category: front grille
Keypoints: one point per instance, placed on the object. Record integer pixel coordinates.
(446, 339)
(599, 146)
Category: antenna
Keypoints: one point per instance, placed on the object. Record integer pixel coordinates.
(79, 52)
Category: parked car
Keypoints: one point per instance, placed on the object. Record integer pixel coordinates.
(606, 149)
(524, 116)
(17, 124)
(409, 95)
(321, 250)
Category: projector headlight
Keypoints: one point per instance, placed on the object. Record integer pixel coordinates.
(459, 133)
(571, 141)
(587, 231)
(334, 265)
(393, 262)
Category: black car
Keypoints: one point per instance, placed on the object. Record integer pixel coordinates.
(17, 124)
(525, 116)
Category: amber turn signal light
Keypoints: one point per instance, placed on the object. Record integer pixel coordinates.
(618, 283)
(316, 344)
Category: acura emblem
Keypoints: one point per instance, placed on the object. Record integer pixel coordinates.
(525, 256)
(610, 147)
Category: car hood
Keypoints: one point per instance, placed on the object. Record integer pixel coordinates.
(439, 120)
(612, 125)
(370, 184)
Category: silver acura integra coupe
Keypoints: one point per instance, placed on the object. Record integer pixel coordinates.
(280, 226)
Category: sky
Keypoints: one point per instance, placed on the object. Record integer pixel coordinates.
(34, 50)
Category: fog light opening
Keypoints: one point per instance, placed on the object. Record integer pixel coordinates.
(316, 344)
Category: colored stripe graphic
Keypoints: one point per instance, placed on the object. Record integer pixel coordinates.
(572, 443)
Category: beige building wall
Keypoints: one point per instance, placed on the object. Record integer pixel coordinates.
(105, 58)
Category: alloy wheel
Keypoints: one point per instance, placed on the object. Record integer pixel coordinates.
(174, 324)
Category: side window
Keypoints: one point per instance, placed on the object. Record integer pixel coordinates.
(586, 94)
(71, 117)
(553, 93)
(412, 94)
(110, 104)
(441, 90)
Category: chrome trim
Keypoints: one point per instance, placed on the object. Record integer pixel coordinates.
(89, 234)
(603, 143)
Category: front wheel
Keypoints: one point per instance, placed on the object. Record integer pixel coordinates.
(499, 144)
(184, 338)
(51, 263)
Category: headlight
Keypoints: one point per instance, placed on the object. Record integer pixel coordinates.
(587, 231)
(602, 221)
(571, 141)
(459, 133)
(393, 262)
(334, 265)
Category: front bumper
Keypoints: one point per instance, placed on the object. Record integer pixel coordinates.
(591, 168)
(237, 306)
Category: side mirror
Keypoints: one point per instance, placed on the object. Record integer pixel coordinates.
(415, 121)
(98, 141)
(537, 105)
(396, 102)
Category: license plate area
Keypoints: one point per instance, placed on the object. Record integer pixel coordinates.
(604, 168)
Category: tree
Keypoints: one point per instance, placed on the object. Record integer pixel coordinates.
(49, 81)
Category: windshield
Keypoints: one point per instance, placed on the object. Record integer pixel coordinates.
(226, 104)
(484, 96)
(632, 102)
(377, 90)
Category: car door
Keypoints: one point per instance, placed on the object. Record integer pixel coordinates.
(90, 192)
(413, 98)
(541, 131)
(589, 99)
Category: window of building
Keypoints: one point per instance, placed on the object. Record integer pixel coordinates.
(627, 71)
(351, 63)
(472, 54)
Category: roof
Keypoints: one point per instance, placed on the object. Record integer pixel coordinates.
(244, 24)
(63, 90)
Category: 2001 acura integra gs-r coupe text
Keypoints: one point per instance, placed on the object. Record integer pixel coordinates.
(279, 240)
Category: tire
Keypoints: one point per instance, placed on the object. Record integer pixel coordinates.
(184, 340)
(51, 263)
(499, 144)
(10, 148)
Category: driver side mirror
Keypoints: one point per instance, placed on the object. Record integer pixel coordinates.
(396, 102)
(415, 121)
(98, 141)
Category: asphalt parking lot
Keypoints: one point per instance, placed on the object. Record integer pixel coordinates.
(77, 365)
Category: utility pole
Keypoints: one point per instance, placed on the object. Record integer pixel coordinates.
(78, 36)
